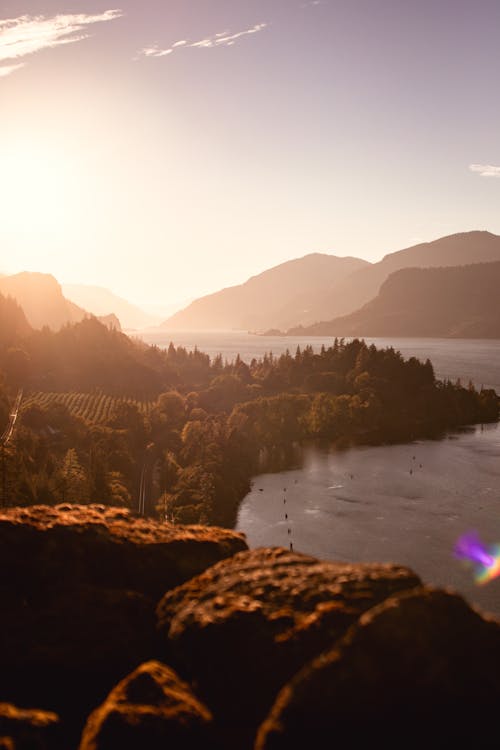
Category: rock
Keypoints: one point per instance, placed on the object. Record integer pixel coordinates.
(79, 585)
(27, 729)
(420, 669)
(242, 628)
(65, 652)
(41, 546)
(151, 708)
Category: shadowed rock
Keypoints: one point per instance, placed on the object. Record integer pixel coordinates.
(79, 585)
(245, 626)
(104, 547)
(151, 708)
(421, 667)
(26, 729)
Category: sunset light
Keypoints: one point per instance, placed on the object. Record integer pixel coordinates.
(249, 374)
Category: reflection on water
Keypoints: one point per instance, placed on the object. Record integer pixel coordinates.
(403, 503)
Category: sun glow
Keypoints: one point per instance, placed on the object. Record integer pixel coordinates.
(38, 197)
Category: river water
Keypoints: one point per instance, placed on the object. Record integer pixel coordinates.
(404, 503)
(469, 359)
(392, 503)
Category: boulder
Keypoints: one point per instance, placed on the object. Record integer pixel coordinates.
(151, 708)
(79, 585)
(66, 651)
(27, 729)
(67, 545)
(242, 628)
(420, 669)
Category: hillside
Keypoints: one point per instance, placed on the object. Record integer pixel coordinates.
(320, 287)
(100, 301)
(276, 297)
(14, 327)
(460, 302)
(110, 321)
(364, 284)
(42, 300)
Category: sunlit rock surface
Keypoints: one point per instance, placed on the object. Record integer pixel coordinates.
(420, 669)
(27, 729)
(151, 708)
(79, 585)
(245, 626)
(101, 546)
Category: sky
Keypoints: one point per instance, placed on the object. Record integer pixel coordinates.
(168, 148)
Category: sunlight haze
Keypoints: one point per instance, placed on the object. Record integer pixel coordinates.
(166, 150)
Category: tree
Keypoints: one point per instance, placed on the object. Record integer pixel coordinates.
(75, 483)
(17, 365)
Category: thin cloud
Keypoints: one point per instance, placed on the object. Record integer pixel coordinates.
(26, 35)
(6, 70)
(221, 39)
(485, 170)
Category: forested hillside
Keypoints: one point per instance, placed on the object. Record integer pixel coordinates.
(459, 302)
(110, 420)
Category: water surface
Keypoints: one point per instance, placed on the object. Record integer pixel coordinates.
(394, 503)
(469, 359)
(403, 503)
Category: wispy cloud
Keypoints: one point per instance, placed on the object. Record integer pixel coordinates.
(222, 39)
(485, 170)
(6, 70)
(25, 35)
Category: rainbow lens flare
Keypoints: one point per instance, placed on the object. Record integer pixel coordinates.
(486, 561)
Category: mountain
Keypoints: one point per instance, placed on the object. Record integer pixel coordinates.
(321, 287)
(42, 300)
(460, 301)
(101, 301)
(364, 284)
(277, 297)
(110, 321)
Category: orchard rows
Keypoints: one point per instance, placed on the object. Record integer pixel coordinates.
(95, 408)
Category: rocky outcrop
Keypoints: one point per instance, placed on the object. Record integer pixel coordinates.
(79, 585)
(240, 630)
(26, 729)
(359, 653)
(70, 545)
(421, 667)
(151, 708)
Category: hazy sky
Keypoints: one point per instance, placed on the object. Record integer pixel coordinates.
(167, 148)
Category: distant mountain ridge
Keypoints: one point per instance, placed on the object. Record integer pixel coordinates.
(460, 249)
(453, 302)
(321, 287)
(101, 301)
(41, 298)
(271, 298)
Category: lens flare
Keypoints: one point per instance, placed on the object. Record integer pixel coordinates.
(485, 561)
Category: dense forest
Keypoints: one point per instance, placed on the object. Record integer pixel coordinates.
(127, 423)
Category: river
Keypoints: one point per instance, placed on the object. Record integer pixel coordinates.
(403, 503)
(469, 359)
(393, 503)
